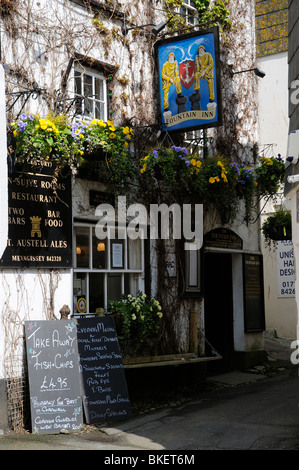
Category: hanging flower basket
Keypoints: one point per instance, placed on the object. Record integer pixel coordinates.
(277, 226)
(270, 175)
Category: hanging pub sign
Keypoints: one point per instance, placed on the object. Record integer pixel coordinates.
(189, 81)
(39, 218)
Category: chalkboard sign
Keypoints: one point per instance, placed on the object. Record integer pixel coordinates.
(254, 309)
(103, 378)
(54, 380)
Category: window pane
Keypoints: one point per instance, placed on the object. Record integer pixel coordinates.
(99, 252)
(80, 292)
(96, 291)
(114, 290)
(134, 254)
(87, 85)
(131, 283)
(99, 89)
(99, 110)
(82, 247)
(78, 83)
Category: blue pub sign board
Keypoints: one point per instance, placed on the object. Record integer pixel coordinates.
(189, 81)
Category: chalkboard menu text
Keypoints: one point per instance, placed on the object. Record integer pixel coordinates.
(103, 377)
(54, 381)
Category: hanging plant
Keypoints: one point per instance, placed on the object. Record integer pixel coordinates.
(277, 226)
(270, 175)
(183, 177)
(46, 139)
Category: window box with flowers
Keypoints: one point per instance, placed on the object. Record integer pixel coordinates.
(46, 139)
(97, 149)
(138, 324)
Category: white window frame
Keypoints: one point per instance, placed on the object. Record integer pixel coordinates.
(109, 269)
(187, 9)
(93, 98)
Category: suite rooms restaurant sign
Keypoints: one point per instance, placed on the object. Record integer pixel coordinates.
(39, 218)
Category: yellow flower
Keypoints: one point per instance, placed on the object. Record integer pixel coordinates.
(193, 161)
(112, 135)
(126, 145)
(43, 124)
(143, 168)
(15, 133)
(212, 180)
(223, 176)
(198, 164)
(112, 128)
(127, 131)
(145, 158)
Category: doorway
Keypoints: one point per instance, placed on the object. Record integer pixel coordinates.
(218, 302)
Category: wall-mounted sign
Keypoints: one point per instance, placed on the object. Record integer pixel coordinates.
(39, 218)
(189, 81)
(254, 309)
(223, 238)
(285, 269)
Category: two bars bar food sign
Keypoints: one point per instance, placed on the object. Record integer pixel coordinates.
(39, 218)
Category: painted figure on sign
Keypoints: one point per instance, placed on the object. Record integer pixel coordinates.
(204, 69)
(170, 76)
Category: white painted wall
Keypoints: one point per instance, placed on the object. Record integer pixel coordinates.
(281, 313)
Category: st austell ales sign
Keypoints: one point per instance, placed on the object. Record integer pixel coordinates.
(39, 218)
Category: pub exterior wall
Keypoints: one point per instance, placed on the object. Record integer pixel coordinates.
(39, 294)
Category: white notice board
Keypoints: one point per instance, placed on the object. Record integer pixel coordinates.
(285, 269)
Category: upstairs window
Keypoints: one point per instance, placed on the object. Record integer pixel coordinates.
(189, 12)
(90, 88)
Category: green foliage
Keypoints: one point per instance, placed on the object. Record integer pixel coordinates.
(181, 177)
(270, 174)
(140, 317)
(217, 13)
(46, 139)
(214, 14)
(277, 226)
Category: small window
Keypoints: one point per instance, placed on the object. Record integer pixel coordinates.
(105, 269)
(189, 12)
(90, 88)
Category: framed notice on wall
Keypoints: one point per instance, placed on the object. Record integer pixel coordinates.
(254, 308)
(188, 70)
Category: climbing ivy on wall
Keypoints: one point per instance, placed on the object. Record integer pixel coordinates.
(212, 13)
